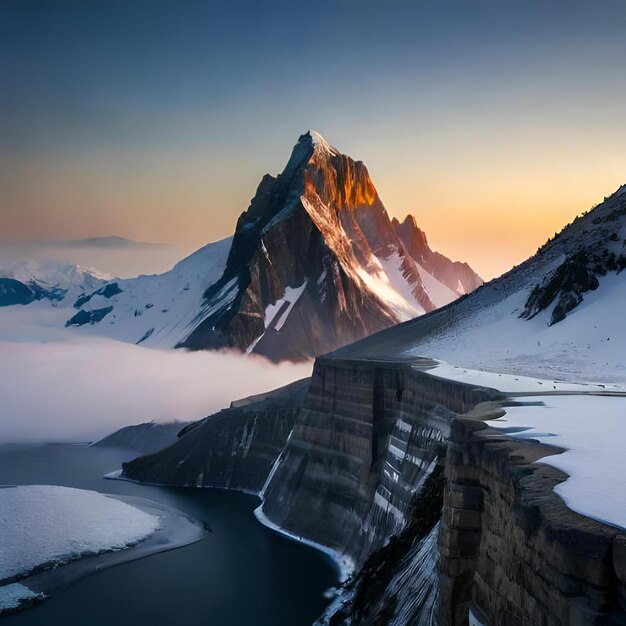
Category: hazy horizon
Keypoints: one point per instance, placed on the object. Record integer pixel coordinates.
(494, 125)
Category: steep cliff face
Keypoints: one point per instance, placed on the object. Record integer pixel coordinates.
(368, 436)
(232, 449)
(442, 516)
(510, 550)
(457, 276)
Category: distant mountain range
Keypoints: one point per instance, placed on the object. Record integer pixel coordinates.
(22, 282)
(116, 256)
(104, 242)
(112, 241)
(315, 262)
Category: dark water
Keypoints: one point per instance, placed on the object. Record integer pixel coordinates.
(241, 574)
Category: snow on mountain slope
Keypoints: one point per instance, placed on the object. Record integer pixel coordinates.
(315, 263)
(559, 315)
(47, 280)
(158, 310)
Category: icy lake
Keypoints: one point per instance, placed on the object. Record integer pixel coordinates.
(240, 573)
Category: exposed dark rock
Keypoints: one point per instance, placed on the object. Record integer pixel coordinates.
(510, 546)
(457, 276)
(234, 448)
(145, 438)
(16, 292)
(108, 291)
(567, 284)
(88, 317)
(368, 436)
(373, 603)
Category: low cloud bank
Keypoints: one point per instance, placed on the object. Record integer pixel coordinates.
(58, 386)
(123, 262)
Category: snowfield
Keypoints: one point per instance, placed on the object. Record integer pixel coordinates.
(511, 383)
(42, 525)
(587, 345)
(592, 430)
(160, 310)
(583, 419)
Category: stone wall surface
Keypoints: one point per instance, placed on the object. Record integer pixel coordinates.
(369, 434)
(511, 548)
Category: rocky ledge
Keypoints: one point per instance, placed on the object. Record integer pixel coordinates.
(510, 550)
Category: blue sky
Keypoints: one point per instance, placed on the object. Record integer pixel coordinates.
(156, 119)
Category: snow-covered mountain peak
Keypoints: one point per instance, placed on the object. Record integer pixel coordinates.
(320, 144)
(315, 262)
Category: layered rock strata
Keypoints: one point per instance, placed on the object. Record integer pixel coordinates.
(369, 435)
(360, 468)
(235, 448)
(510, 550)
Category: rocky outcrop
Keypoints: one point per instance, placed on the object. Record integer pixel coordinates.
(369, 435)
(16, 292)
(510, 549)
(566, 285)
(145, 438)
(88, 317)
(457, 276)
(232, 449)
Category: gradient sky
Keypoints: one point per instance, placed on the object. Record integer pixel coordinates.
(495, 123)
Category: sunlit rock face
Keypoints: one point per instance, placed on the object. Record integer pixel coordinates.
(315, 263)
(458, 276)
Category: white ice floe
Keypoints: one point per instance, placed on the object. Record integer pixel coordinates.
(43, 525)
(12, 596)
(592, 430)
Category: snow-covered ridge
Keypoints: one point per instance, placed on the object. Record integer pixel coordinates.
(488, 330)
(160, 310)
(53, 280)
(321, 145)
(590, 429)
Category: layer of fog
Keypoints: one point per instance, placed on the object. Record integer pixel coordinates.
(56, 385)
(120, 261)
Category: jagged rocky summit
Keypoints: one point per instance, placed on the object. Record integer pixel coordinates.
(315, 263)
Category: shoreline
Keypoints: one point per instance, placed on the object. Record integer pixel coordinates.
(176, 530)
(344, 564)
